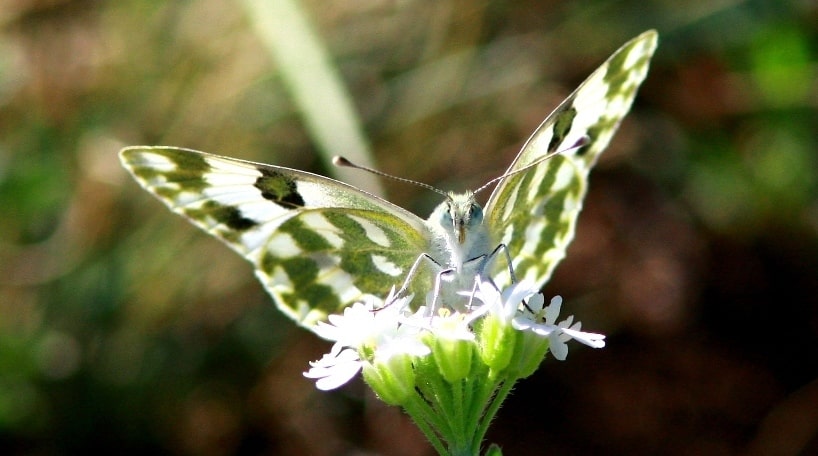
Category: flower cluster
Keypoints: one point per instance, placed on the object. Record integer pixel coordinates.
(371, 334)
(450, 370)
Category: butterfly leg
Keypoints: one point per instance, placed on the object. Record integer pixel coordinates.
(474, 288)
(423, 257)
(488, 261)
(443, 274)
(440, 277)
(493, 255)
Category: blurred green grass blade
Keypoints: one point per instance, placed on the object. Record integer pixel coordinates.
(315, 86)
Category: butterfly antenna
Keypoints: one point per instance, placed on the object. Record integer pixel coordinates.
(581, 142)
(343, 162)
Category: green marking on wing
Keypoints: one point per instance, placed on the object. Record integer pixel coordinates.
(229, 216)
(338, 263)
(187, 173)
(308, 239)
(622, 73)
(535, 213)
(191, 184)
(539, 229)
(562, 125)
(358, 256)
(538, 264)
(279, 188)
(318, 245)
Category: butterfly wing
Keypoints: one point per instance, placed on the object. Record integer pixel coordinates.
(534, 213)
(318, 245)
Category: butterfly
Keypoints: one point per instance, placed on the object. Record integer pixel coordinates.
(319, 245)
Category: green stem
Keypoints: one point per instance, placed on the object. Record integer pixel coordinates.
(441, 401)
(491, 410)
(420, 412)
(462, 422)
(431, 415)
(480, 393)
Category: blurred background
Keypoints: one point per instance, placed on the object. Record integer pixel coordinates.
(123, 329)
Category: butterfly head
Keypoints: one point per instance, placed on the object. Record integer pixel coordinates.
(461, 215)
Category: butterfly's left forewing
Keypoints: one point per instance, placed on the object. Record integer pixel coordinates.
(318, 245)
(534, 213)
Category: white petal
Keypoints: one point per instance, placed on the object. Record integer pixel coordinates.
(590, 339)
(552, 312)
(340, 377)
(535, 303)
(327, 331)
(402, 346)
(522, 323)
(334, 371)
(519, 291)
(558, 348)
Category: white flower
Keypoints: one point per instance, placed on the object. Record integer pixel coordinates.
(334, 369)
(594, 340)
(538, 319)
(445, 324)
(363, 321)
(403, 341)
(366, 332)
(542, 321)
(503, 305)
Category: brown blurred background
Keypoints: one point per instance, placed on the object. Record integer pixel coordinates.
(123, 329)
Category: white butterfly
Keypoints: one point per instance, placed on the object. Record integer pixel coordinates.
(319, 245)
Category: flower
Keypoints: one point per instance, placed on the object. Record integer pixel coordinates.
(334, 369)
(452, 340)
(449, 367)
(510, 329)
(497, 337)
(541, 321)
(366, 334)
(362, 323)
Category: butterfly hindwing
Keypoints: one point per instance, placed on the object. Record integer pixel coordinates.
(534, 213)
(322, 260)
(318, 245)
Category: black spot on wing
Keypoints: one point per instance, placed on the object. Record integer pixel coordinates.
(562, 125)
(184, 159)
(232, 217)
(226, 215)
(279, 188)
(190, 167)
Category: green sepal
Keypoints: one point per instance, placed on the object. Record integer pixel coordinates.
(394, 380)
(453, 358)
(530, 352)
(497, 341)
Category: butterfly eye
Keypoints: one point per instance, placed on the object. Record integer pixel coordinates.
(445, 217)
(476, 213)
(455, 211)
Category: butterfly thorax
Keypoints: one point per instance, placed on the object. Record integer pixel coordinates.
(460, 239)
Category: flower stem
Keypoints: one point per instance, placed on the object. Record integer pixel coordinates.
(491, 410)
(424, 417)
